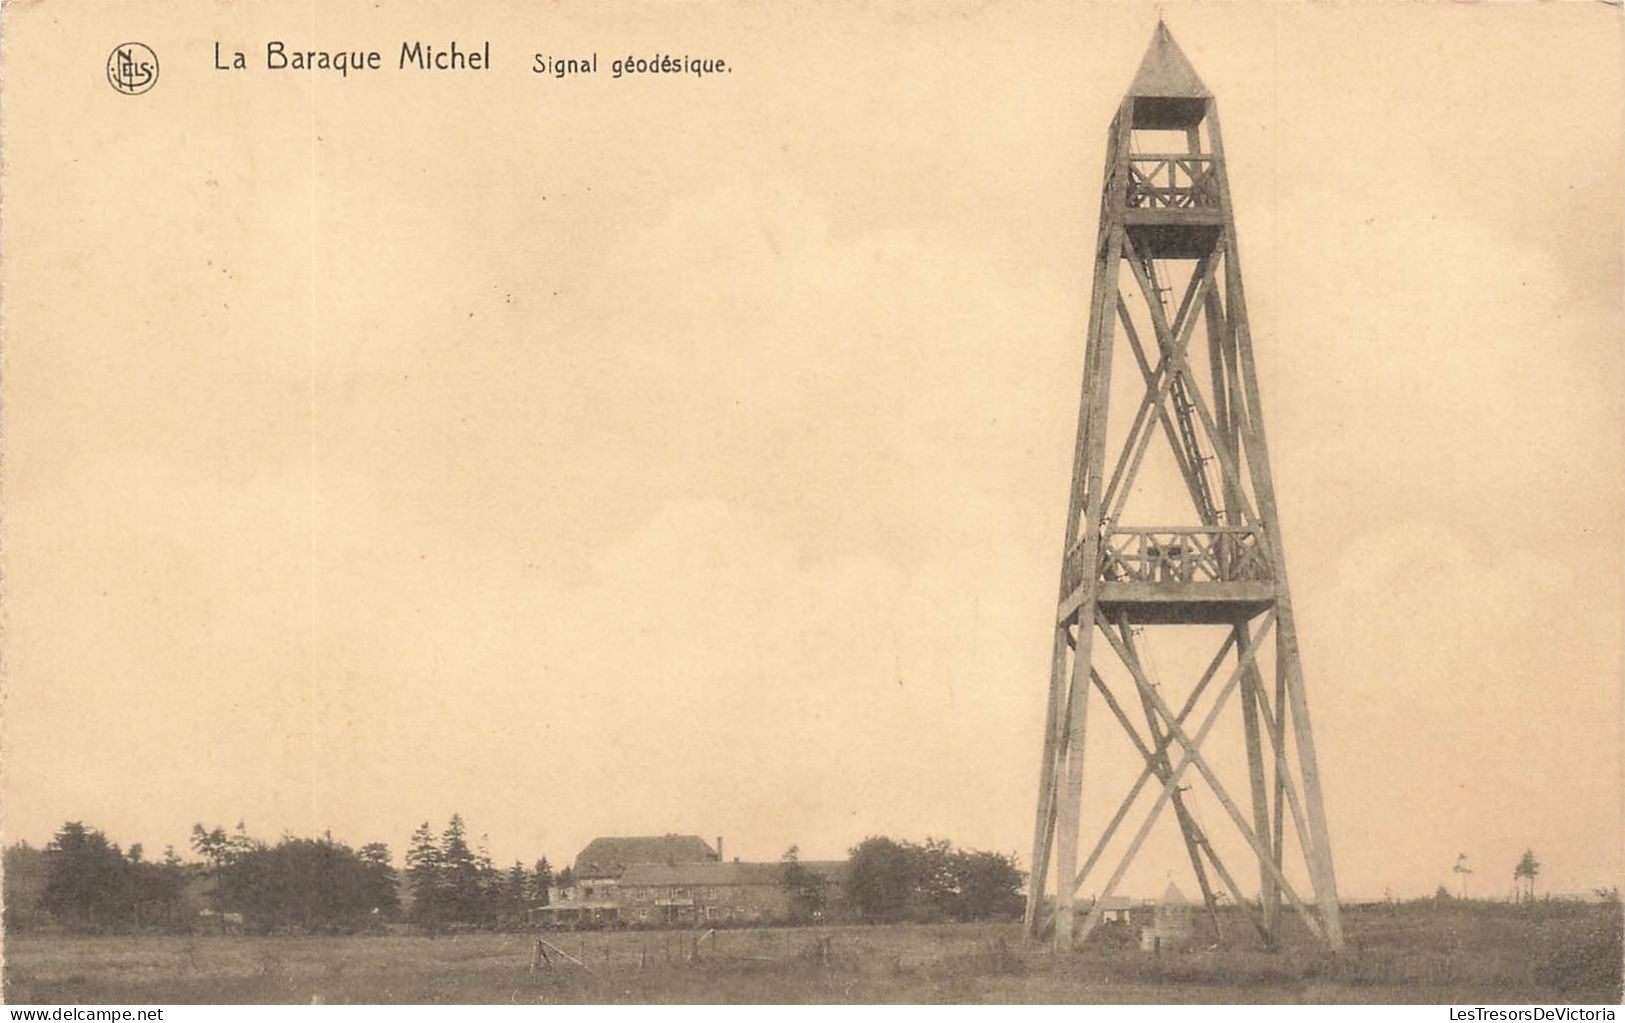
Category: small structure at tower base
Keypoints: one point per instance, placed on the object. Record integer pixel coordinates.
(1170, 928)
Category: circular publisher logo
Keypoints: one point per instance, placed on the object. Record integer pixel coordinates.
(132, 68)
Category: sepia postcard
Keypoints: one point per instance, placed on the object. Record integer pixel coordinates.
(772, 501)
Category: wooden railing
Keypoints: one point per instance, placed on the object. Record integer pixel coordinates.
(1196, 554)
(1172, 182)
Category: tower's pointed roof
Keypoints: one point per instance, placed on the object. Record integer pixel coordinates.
(1164, 71)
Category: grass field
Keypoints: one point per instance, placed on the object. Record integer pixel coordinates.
(1459, 953)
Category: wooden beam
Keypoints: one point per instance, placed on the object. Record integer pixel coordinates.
(1225, 411)
(1283, 778)
(1145, 773)
(1097, 390)
(1174, 357)
(1288, 660)
(1172, 346)
(1090, 439)
(1201, 685)
(1072, 797)
(1278, 737)
(1194, 839)
(1044, 824)
(1232, 471)
(1196, 842)
(1269, 894)
(1234, 421)
(1152, 759)
(1238, 593)
(1190, 756)
(1193, 754)
(1186, 469)
(1156, 389)
(1195, 216)
(1131, 442)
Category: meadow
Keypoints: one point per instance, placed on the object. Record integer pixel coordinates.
(1461, 953)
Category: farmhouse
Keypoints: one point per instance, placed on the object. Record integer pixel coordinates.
(688, 893)
(679, 880)
(593, 896)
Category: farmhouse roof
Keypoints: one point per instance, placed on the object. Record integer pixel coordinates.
(610, 857)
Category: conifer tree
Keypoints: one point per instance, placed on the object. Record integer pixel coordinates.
(425, 880)
(460, 876)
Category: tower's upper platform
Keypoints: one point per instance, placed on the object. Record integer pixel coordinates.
(1167, 92)
(1165, 183)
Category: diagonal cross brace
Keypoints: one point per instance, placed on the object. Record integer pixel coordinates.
(1173, 344)
(1245, 658)
(1283, 774)
(1187, 469)
(1161, 749)
(1193, 755)
(1145, 773)
(1171, 340)
(1195, 840)
(1187, 823)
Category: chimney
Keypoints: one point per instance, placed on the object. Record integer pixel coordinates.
(719, 849)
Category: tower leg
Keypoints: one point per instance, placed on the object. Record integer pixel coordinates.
(1044, 825)
(1083, 510)
(1092, 423)
(1278, 740)
(1269, 892)
(1066, 839)
(1319, 857)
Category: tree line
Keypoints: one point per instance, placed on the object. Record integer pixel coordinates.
(82, 881)
(451, 884)
(310, 884)
(932, 880)
(86, 882)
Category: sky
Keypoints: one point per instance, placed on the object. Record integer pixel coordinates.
(622, 456)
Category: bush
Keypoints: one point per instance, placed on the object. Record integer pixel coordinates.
(1586, 958)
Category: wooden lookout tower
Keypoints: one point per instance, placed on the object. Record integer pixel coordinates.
(1209, 571)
